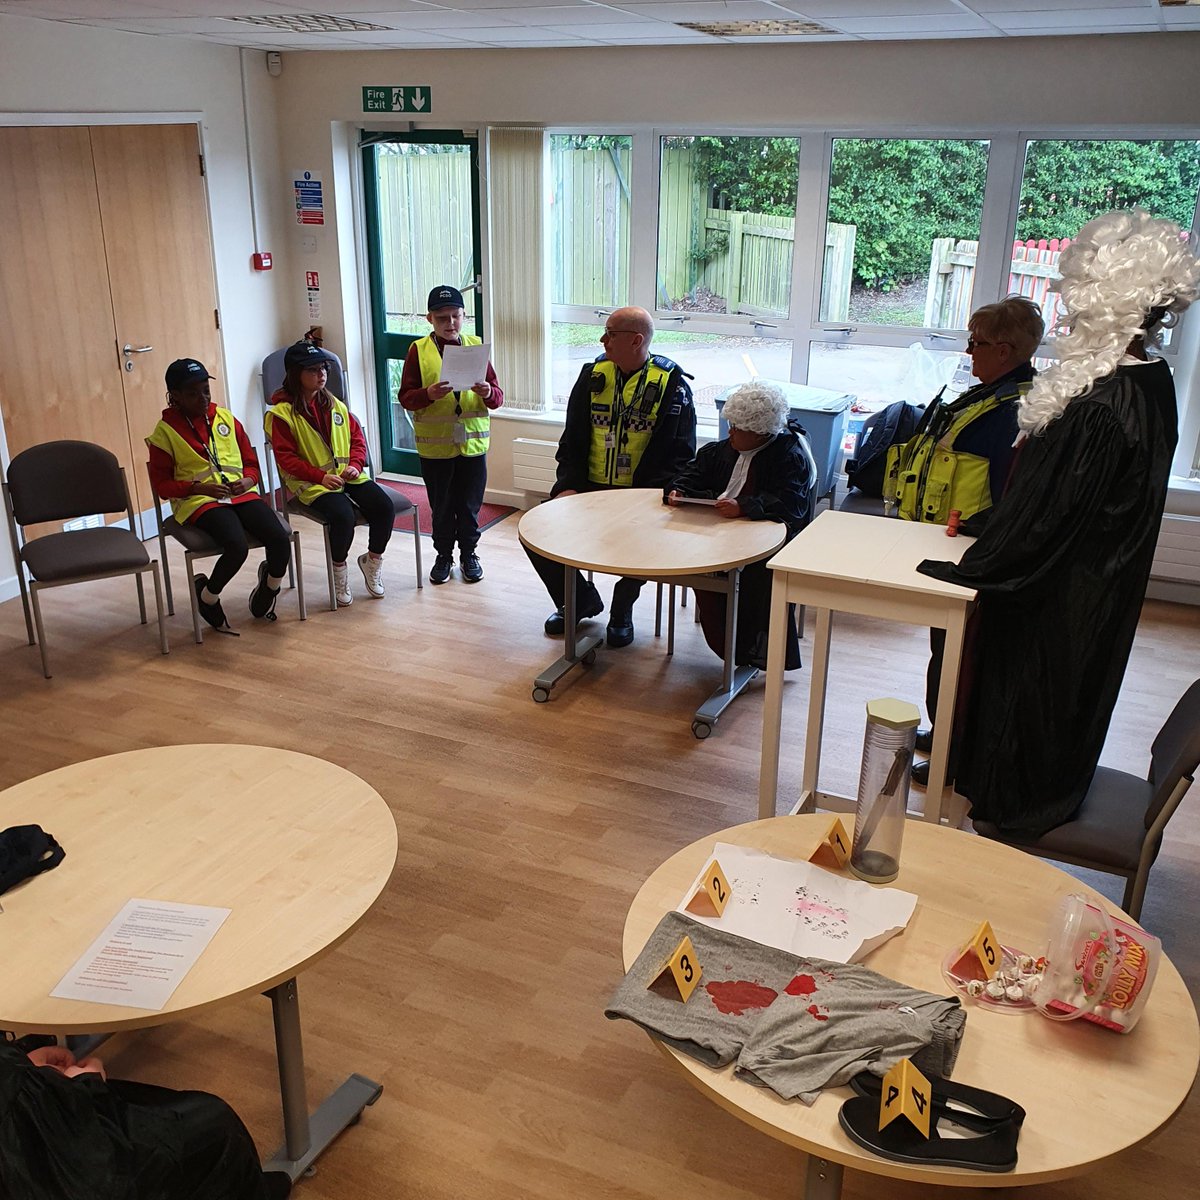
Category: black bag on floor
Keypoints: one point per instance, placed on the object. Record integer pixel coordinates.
(25, 851)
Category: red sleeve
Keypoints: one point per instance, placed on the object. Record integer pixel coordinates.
(413, 394)
(250, 467)
(162, 476)
(497, 397)
(288, 457)
(358, 444)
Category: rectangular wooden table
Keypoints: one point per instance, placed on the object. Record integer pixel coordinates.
(847, 562)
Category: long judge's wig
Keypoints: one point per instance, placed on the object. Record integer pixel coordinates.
(1127, 276)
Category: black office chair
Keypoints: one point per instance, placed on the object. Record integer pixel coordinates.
(197, 544)
(63, 481)
(273, 372)
(1120, 825)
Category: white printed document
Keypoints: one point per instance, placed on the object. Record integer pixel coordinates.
(802, 908)
(464, 366)
(142, 955)
(693, 500)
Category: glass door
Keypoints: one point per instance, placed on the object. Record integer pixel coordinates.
(422, 198)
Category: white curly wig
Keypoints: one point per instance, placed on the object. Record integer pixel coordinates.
(757, 407)
(1126, 276)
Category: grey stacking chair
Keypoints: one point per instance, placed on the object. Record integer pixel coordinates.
(63, 481)
(1120, 824)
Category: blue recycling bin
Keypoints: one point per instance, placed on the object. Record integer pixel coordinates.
(822, 413)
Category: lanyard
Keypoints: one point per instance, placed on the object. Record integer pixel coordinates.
(209, 445)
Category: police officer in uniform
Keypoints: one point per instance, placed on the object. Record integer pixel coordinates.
(630, 423)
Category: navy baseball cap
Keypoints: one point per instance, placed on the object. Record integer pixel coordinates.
(305, 354)
(184, 371)
(445, 297)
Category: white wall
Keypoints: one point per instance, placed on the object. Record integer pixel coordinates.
(1092, 83)
(48, 69)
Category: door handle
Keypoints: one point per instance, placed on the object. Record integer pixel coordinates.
(128, 349)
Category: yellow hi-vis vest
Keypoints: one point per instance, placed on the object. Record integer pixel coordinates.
(192, 466)
(927, 479)
(433, 425)
(622, 426)
(313, 449)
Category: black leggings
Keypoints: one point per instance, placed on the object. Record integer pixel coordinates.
(228, 525)
(341, 510)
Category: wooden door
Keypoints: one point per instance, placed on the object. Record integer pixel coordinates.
(59, 376)
(150, 184)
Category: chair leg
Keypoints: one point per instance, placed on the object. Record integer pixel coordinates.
(158, 603)
(298, 573)
(417, 546)
(658, 587)
(41, 632)
(329, 570)
(141, 590)
(671, 619)
(1135, 893)
(197, 633)
(25, 602)
(683, 597)
(166, 568)
(800, 614)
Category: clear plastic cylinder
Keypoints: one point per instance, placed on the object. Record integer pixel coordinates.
(879, 818)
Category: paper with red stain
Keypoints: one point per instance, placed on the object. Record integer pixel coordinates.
(798, 907)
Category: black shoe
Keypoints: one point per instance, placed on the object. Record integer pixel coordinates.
(442, 567)
(556, 622)
(471, 568)
(920, 773)
(620, 630)
(262, 599)
(924, 741)
(277, 1184)
(213, 613)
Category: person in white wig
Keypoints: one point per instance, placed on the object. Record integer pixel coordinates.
(1062, 566)
(763, 471)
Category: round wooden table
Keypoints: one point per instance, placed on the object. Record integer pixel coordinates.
(297, 848)
(631, 532)
(1089, 1094)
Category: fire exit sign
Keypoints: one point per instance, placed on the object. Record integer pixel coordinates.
(414, 99)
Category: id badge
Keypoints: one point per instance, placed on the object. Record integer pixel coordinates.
(459, 436)
(610, 440)
(624, 464)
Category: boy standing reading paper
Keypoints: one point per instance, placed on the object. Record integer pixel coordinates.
(451, 429)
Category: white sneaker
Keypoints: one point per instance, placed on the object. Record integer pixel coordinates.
(372, 569)
(341, 586)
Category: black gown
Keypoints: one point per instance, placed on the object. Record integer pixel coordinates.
(777, 489)
(88, 1139)
(1061, 570)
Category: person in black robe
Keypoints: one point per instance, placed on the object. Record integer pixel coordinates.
(763, 471)
(1062, 564)
(68, 1133)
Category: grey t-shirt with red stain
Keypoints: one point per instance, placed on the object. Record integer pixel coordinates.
(792, 1024)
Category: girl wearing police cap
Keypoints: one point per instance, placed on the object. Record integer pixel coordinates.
(203, 464)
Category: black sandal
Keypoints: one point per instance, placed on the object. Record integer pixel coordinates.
(969, 1106)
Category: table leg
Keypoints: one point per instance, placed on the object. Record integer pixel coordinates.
(816, 710)
(768, 769)
(733, 677)
(305, 1136)
(936, 805)
(575, 649)
(822, 1179)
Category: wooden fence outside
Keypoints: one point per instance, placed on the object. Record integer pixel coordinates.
(948, 302)
(425, 227)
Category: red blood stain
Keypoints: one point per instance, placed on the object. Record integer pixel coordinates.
(735, 997)
(802, 985)
(817, 1014)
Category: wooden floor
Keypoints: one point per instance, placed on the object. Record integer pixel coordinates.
(475, 990)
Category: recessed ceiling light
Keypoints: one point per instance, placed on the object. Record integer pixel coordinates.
(769, 28)
(310, 23)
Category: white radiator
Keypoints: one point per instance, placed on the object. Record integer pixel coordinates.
(534, 466)
(1177, 555)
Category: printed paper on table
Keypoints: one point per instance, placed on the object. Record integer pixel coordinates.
(800, 908)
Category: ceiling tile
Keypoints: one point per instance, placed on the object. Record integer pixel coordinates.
(561, 15)
(706, 10)
(820, 10)
(902, 26)
(1081, 21)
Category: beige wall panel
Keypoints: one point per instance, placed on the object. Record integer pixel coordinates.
(156, 235)
(59, 376)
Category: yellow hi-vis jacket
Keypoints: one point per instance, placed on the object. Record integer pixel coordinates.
(433, 425)
(622, 425)
(927, 478)
(312, 447)
(191, 465)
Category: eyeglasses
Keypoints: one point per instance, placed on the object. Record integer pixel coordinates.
(613, 332)
(975, 343)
